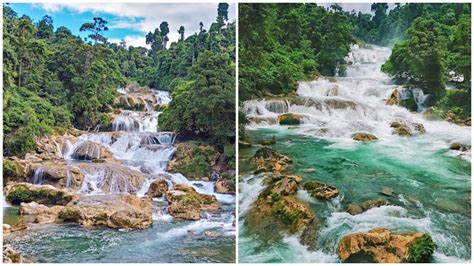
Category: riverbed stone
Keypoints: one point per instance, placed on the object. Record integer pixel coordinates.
(459, 146)
(225, 186)
(380, 245)
(361, 136)
(321, 191)
(387, 191)
(354, 209)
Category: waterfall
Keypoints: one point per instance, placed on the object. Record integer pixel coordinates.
(69, 179)
(420, 99)
(277, 106)
(38, 176)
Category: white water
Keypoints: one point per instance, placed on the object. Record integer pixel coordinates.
(336, 108)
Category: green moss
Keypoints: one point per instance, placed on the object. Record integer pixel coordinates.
(188, 199)
(421, 250)
(9, 168)
(19, 194)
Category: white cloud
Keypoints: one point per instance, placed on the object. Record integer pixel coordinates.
(145, 17)
(135, 41)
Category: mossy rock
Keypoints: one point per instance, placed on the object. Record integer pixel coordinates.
(27, 193)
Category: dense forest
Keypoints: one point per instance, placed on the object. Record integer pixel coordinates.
(54, 81)
(285, 43)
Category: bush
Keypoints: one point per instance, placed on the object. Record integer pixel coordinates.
(421, 250)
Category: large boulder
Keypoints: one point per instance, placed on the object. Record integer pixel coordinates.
(53, 147)
(17, 193)
(88, 150)
(39, 213)
(382, 246)
(320, 190)
(59, 174)
(267, 160)
(18, 170)
(361, 136)
(289, 119)
(187, 204)
(459, 146)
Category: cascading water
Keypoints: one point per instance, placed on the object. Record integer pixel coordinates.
(432, 185)
(38, 176)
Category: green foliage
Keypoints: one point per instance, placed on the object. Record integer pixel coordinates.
(9, 168)
(197, 167)
(19, 194)
(421, 250)
(280, 44)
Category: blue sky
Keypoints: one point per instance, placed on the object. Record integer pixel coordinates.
(126, 21)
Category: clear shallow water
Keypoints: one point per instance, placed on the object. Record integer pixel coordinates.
(432, 194)
(165, 241)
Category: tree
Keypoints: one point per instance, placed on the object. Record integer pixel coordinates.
(222, 14)
(96, 29)
(181, 33)
(164, 30)
(201, 25)
(45, 28)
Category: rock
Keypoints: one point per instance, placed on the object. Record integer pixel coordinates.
(320, 190)
(186, 203)
(225, 186)
(382, 246)
(18, 170)
(17, 193)
(277, 209)
(244, 144)
(88, 150)
(210, 234)
(387, 191)
(39, 213)
(401, 129)
(369, 204)
(419, 127)
(289, 119)
(157, 188)
(267, 160)
(394, 98)
(267, 142)
(59, 174)
(12, 256)
(7, 229)
(53, 147)
(354, 209)
(459, 147)
(360, 136)
(114, 211)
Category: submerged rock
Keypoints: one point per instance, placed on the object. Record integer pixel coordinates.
(364, 206)
(244, 144)
(157, 189)
(387, 191)
(320, 190)
(267, 160)
(186, 203)
(289, 119)
(17, 193)
(382, 246)
(361, 136)
(459, 147)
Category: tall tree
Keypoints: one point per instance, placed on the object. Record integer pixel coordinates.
(96, 29)
(181, 33)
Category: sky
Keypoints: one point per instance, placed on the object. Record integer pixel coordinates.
(130, 22)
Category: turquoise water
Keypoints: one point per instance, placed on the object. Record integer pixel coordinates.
(165, 242)
(431, 194)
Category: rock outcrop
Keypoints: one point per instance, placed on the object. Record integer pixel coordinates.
(407, 129)
(225, 186)
(88, 150)
(382, 246)
(187, 204)
(267, 160)
(394, 98)
(114, 211)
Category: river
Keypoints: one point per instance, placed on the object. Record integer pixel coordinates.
(431, 183)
